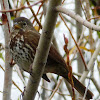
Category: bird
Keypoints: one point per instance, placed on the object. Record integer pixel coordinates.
(23, 42)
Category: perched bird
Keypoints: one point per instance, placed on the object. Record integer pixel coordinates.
(23, 43)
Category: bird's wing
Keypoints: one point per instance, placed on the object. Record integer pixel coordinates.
(53, 53)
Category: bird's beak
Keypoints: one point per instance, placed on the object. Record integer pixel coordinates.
(17, 26)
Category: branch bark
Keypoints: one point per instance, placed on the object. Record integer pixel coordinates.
(8, 68)
(41, 56)
(77, 18)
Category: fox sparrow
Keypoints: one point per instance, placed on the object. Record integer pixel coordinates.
(23, 43)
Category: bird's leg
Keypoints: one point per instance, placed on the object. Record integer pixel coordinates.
(44, 76)
(22, 94)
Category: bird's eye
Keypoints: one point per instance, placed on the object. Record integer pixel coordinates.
(24, 24)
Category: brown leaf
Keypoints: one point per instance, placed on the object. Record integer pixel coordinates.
(4, 19)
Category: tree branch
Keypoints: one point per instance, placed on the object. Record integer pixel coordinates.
(90, 64)
(41, 56)
(8, 68)
(77, 18)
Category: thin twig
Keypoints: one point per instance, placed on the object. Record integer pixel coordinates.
(34, 14)
(20, 8)
(38, 10)
(96, 17)
(56, 91)
(12, 80)
(85, 73)
(56, 88)
(88, 83)
(74, 41)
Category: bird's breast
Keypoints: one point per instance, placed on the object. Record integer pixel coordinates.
(21, 52)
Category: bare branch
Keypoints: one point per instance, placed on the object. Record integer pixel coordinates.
(56, 88)
(8, 67)
(90, 64)
(77, 18)
(34, 14)
(41, 56)
(12, 80)
(21, 8)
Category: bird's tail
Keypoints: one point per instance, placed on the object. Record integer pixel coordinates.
(63, 71)
(81, 88)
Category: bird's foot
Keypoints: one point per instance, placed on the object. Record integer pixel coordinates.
(22, 94)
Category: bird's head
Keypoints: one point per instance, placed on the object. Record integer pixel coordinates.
(22, 23)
